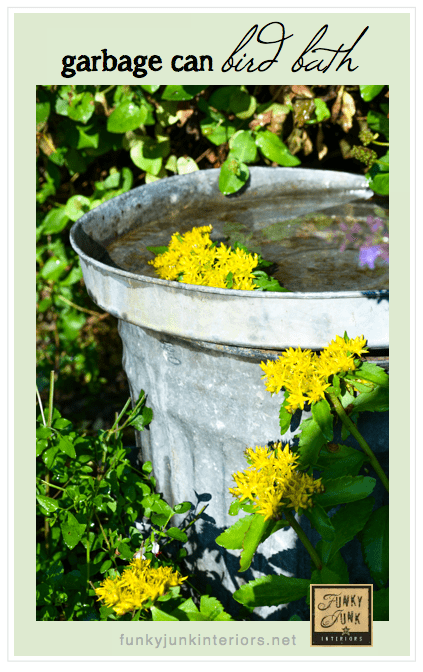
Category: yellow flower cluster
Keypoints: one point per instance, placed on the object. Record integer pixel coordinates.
(304, 374)
(137, 584)
(272, 482)
(194, 259)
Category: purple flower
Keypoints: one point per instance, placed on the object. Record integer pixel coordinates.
(368, 255)
(374, 223)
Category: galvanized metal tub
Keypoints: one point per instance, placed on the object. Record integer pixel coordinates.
(196, 350)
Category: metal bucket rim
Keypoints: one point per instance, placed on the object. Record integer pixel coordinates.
(383, 293)
(217, 290)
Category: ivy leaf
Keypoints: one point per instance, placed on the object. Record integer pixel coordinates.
(344, 490)
(375, 545)
(233, 175)
(242, 145)
(274, 149)
(178, 92)
(183, 507)
(272, 591)
(72, 531)
(368, 92)
(47, 503)
(324, 418)
(176, 533)
(142, 419)
(126, 117)
(65, 445)
(347, 522)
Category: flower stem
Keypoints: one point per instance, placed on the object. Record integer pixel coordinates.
(348, 423)
(303, 538)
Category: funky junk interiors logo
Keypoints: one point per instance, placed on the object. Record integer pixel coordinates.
(341, 615)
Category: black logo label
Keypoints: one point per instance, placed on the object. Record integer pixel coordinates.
(341, 615)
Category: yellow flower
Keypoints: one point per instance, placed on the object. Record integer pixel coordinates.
(304, 374)
(272, 482)
(194, 257)
(138, 583)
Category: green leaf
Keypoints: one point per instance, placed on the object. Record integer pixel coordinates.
(146, 154)
(346, 461)
(266, 283)
(81, 107)
(72, 531)
(234, 535)
(158, 249)
(368, 92)
(371, 372)
(378, 122)
(185, 165)
(73, 276)
(380, 184)
(321, 111)
(125, 551)
(182, 508)
(77, 206)
(271, 591)
(177, 92)
(42, 114)
(142, 419)
(87, 137)
(274, 149)
(55, 221)
(242, 104)
(375, 545)
(150, 88)
(234, 508)
(326, 575)
(322, 415)
(160, 615)
(321, 522)
(233, 175)
(65, 445)
(53, 268)
(72, 323)
(253, 537)
(75, 161)
(348, 521)
(221, 97)
(381, 605)
(126, 117)
(311, 441)
(284, 416)
(212, 609)
(47, 503)
(377, 400)
(345, 489)
(217, 132)
(163, 510)
(176, 533)
(166, 113)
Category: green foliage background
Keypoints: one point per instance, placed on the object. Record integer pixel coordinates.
(95, 143)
